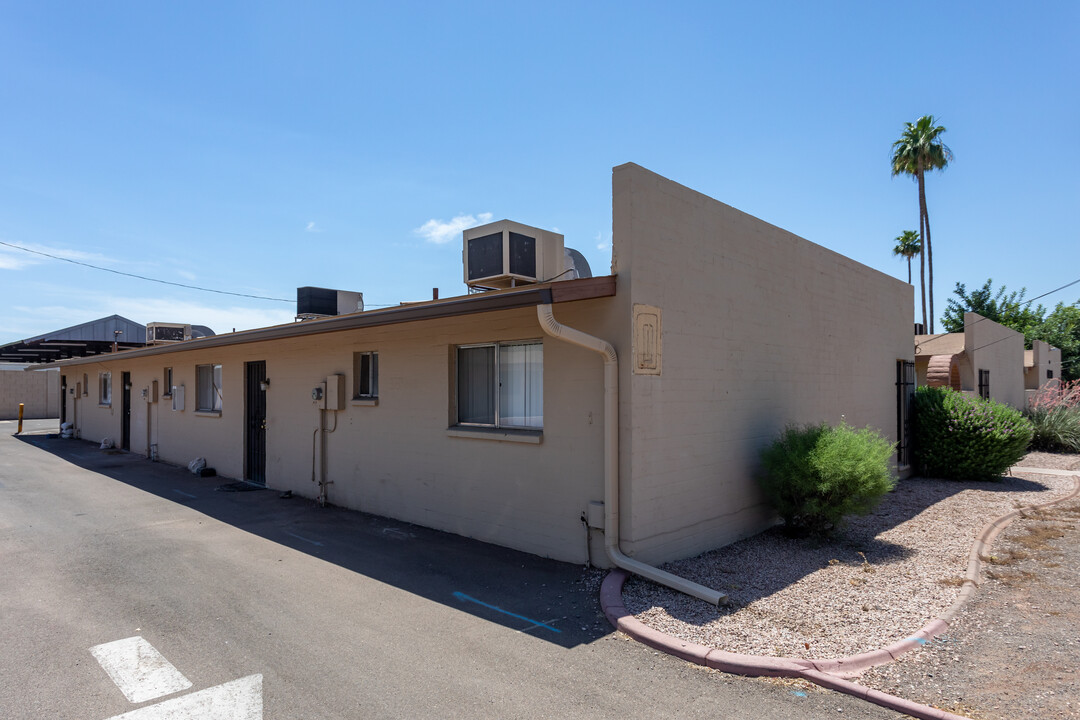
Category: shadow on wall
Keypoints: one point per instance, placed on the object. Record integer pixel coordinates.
(539, 597)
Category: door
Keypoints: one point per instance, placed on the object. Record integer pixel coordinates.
(63, 399)
(255, 384)
(125, 412)
(905, 388)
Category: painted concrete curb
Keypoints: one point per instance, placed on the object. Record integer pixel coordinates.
(828, 673)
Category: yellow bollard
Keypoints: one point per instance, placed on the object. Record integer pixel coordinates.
(21, 406)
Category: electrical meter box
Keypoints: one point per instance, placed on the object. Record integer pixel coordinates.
(335, 392)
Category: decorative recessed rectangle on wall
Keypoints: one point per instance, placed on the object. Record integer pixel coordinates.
(647, 341)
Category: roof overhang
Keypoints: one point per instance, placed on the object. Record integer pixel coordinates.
(49, 351)
(529, 296)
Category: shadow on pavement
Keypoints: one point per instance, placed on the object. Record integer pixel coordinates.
(543, 598)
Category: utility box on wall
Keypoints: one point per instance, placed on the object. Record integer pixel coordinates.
(335, 392)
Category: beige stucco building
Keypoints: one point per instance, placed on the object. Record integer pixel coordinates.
(725, 330)
(1042, 366)
(987, 359)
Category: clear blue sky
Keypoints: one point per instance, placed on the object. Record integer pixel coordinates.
(258, 147)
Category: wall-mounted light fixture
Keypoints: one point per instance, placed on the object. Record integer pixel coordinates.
(264, 384)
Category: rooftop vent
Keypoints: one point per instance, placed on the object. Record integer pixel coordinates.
(506, 254)
(158, 333)
(313, 302)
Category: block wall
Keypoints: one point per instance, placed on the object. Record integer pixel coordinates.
(38, 391)
(760, 328)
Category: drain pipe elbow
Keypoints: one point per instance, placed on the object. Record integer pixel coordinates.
(611, 461)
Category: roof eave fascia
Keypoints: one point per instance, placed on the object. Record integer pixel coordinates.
(530, 296)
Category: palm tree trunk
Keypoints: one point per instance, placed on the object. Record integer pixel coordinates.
(908, 269)
(929, 247)
(922, 261)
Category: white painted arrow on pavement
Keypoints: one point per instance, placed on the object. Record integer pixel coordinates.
(237, 700)
(139, 670)
(142, 673)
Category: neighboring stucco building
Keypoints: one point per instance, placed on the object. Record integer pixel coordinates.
(1042, 366)
(726, 329)
(986, 359)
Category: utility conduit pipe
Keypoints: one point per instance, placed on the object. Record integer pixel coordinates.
(611, 461)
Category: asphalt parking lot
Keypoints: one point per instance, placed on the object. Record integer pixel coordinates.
(336, 613)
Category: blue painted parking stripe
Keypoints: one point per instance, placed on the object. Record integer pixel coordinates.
(301, 537)
(536, 623)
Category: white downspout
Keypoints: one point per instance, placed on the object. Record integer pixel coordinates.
(611, 461)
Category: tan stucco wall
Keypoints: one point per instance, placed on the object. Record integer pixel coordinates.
(38, 391)
(1045, 358)
(396, 458)
(760, 328)
(994, 347)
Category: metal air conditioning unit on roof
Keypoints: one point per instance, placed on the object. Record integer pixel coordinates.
(165, 333)
(506, 254)
(313, 302)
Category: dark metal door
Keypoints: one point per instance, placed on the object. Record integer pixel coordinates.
(63, 399)
(255, 384)
(905, 388)
(125, 410)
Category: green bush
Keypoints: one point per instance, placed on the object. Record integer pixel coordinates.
(965, 438)
(814, 475)
(1055, 429)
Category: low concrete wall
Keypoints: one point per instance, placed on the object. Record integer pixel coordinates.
(38, 391)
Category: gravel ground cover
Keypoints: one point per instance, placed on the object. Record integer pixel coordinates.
(1014, 651)
(879, 581)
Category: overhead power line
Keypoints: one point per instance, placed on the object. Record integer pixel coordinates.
(143, 277)
(1025, 303)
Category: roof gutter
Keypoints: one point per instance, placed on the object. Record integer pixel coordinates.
(611, 461)
(528, 296)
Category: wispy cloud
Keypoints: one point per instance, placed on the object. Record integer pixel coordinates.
(30, 320)
(312, 227)
(14, 258)
(441, 232)
(601, 243)
(10, 261)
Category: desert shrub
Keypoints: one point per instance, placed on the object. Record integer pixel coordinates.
(965, 438)
(1054, 413)
(1055, 430)
(814, 475)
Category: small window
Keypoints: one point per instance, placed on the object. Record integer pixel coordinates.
(85, 385)
(984, 384)
(365, 375)
(105, 389)
(168, 382)
(1049, 374)
(208, 384)
(501, 385)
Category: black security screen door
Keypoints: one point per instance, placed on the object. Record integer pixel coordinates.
(255, 421)
(125, 412)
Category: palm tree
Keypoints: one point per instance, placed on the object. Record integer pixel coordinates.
(917, 151)
(908, 246)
